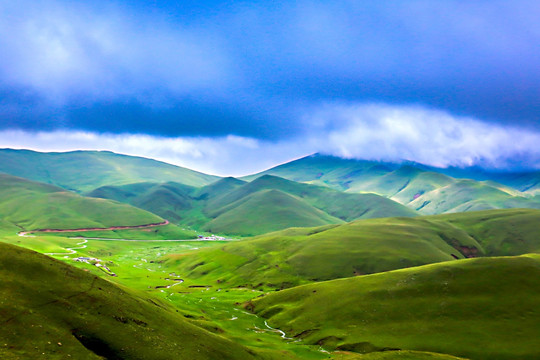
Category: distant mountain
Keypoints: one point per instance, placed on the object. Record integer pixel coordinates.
(31, 205)
(470, 195)
(331, 171)
(295, 256)
(52, 310)
(269, 203)
(83, 171)
(427, 189)
(421, 308)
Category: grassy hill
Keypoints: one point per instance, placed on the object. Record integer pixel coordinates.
(346, 207)
(31, 205)
(84, 171)
(429, 190)
(469, 195)
(476, 308)
(337, 173)
(51, 310)
(299, 255)
(265, 211)
(169, 200)
(268, 203)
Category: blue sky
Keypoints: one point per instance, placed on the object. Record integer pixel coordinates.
(276, 79)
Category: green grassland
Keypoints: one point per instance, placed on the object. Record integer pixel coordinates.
(469, 195)
(137, 266)
(404, 355)
(403, 184)
(31, 205)
(477, 308)
(346, 207)
(269, 203)
(334, 172)
(169, 200)
(375, 288)
(299, 255)
(86, 170)
(265, 211)
(427, 189)
(51, 310)
(499, 232)
(213, 305)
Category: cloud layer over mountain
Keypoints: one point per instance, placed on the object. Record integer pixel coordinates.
(280, 73)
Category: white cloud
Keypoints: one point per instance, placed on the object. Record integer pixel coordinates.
(431, 137)
(101, 52)
(230, 155)
(373, 132)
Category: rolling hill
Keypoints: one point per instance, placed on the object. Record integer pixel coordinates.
(84, 171)
(476, 308)
(268, 203)
(265, 211)
(331, 171)
(469, 195)
(169, 200)
(417, 185)
(31, 205)
(52, 310)
(300, 255)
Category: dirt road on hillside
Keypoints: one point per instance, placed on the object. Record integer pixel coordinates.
(24, 233)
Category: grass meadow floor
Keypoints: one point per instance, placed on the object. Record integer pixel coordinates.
(137, 266)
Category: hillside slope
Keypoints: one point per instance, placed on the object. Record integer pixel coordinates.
(469, 195)
(265, 211)
(299, 255)
(417, 185)
(269, 203)
(475, 308)
(52, 310)
(31, 205)
(84, 171)
(346, 207)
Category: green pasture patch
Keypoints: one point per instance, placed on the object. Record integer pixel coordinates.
(476, 308)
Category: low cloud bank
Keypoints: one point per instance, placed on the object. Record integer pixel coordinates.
(432, 137)
(372, 132)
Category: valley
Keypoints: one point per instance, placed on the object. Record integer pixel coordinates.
(268, 268)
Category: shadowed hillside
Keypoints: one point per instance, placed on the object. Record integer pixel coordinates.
(268, 203)
(52, 310)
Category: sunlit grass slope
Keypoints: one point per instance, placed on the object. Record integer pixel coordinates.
(265, 211)
(31, 205)
(469, 195)
(477, 308)
(55, 311)
(338, 204)
(429, 190)
(299, 255)
(86, 170)
(403, 184)
(404, 355)
(499, 232)
(331, 171)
